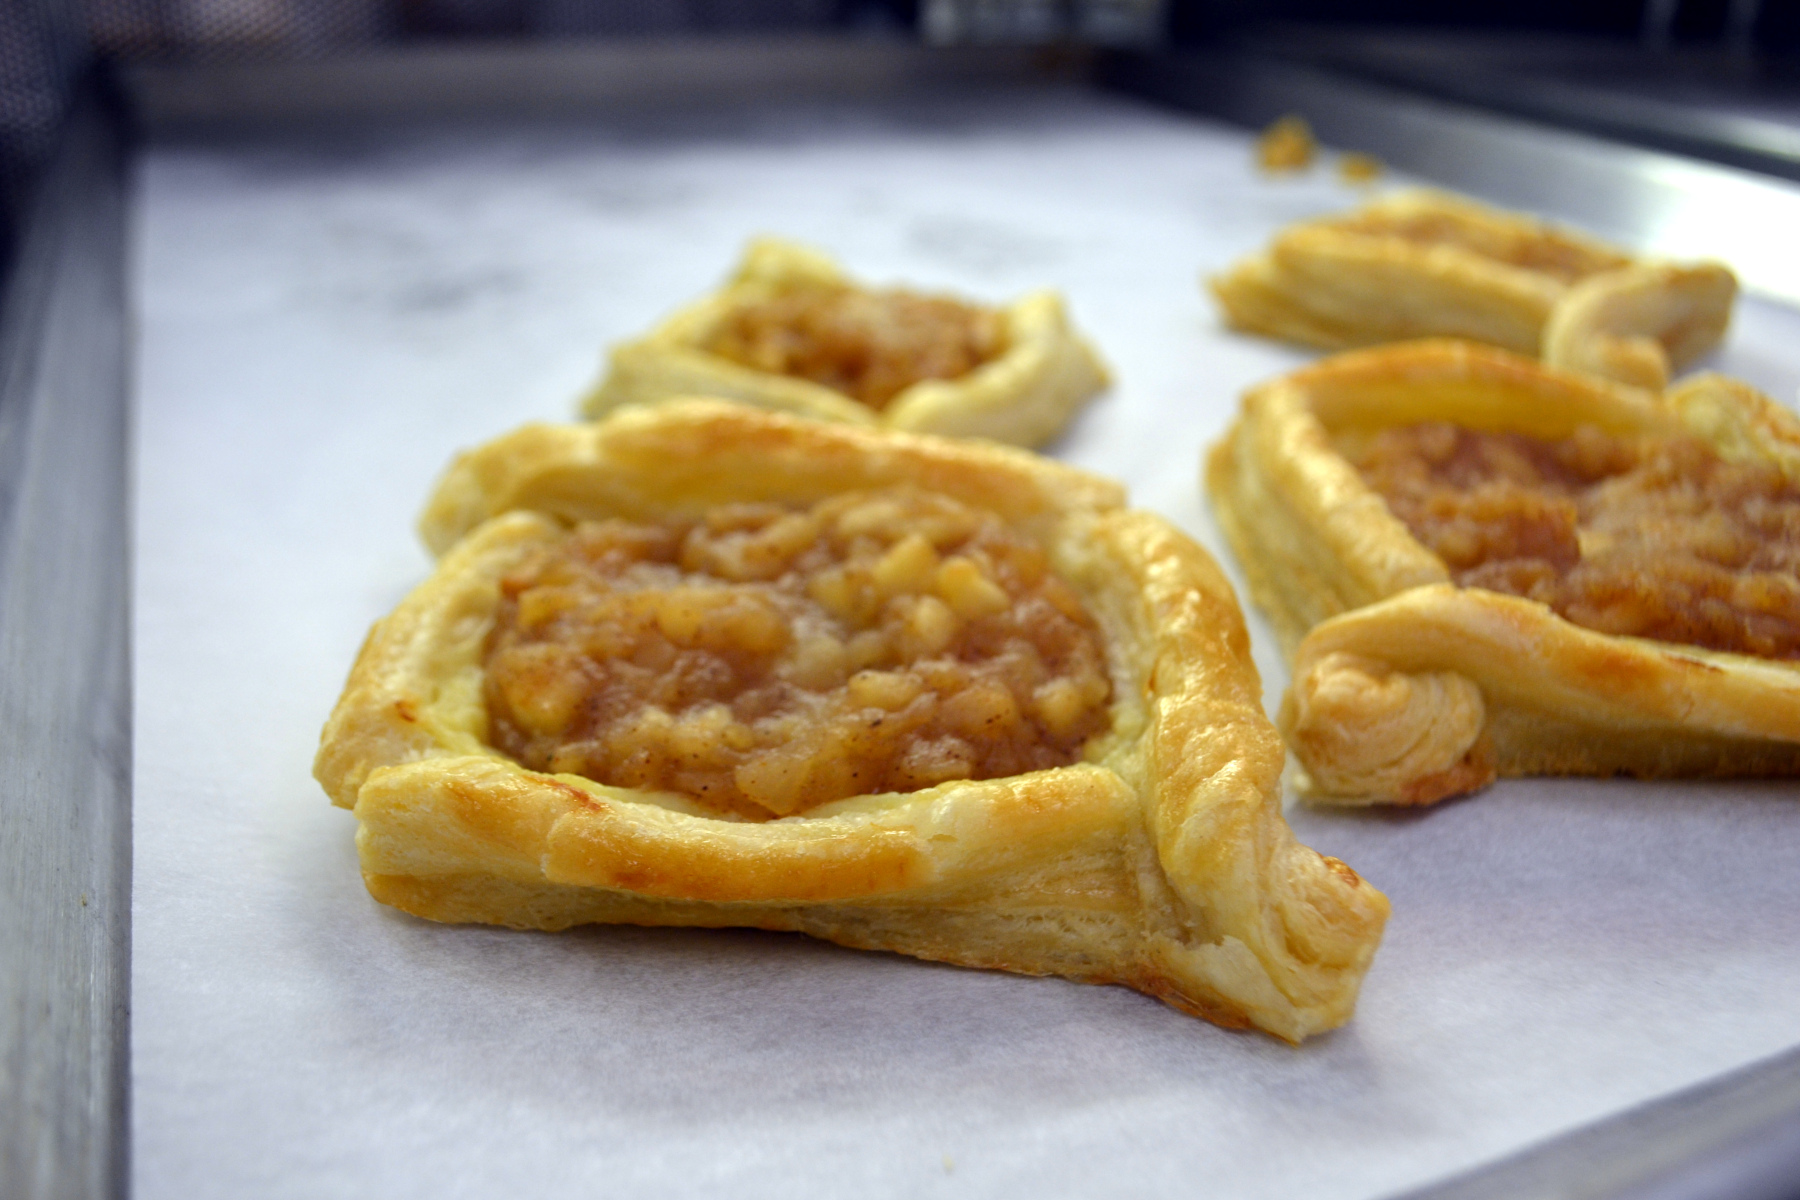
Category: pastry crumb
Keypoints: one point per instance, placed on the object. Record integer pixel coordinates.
(1287, 145)
(1355, 168)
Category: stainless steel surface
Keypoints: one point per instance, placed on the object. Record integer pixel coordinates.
(1737, 1138)
(1741, 18)
(65, 742)
(1711, 102)
(1653, 201)
(451, 81)
(1659, 23)
(1034, 22)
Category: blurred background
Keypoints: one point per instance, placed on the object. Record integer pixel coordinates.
(1720, 78)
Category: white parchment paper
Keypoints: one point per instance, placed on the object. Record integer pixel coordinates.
(323, 323)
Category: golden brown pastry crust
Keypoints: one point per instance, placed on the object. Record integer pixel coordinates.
(1024, 397)
(1161, 862)
(1497, 277)
(1406, 688)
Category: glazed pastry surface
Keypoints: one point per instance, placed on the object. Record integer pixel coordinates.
(1158, 858)
(1409, 688)
(1420, 264)
(790, 332)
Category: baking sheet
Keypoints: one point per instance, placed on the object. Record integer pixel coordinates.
(323, 322)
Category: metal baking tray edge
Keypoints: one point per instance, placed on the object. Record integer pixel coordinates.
(65, 680)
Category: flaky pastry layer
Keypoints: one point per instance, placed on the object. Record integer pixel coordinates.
(1423, 264)
(1023, 397)
(1161, 861)
(1406, 688)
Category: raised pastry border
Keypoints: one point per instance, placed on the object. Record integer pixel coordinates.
(1162, 862)
(1330, 284)
(1024, 397)
(1407, 688)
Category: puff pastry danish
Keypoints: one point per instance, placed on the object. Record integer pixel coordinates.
(1422, 263)
(1157, 857)
(1612, 584)
(789, 332)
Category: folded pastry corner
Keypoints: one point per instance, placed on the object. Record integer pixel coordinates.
(1482, 567)
(700, 664)
(1422, 263)
(790, 332)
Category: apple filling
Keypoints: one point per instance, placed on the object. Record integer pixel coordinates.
(1650, 537)
(869, 345)
(764, 659)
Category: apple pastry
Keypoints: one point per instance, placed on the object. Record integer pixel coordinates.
(789, 332)
(700, 664)
(1483, 567)
(1421, 263)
